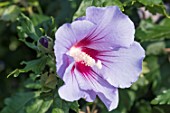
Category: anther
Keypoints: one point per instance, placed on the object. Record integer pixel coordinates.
(78, 56)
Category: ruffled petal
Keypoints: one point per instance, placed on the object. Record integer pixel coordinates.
(122, 67)
(70, 91)
(90, 95)
(113, 27)
(67, 36)
(63, 64)
(80, 18)
(111, 99)
(106, 92)
(90, 80)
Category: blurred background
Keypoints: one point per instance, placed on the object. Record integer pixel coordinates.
(22, 21)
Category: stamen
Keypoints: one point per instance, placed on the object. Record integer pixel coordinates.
(78, 56)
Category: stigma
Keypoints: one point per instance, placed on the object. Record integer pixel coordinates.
(80, 56)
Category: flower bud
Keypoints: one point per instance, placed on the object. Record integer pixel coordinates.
(44, 41)
(45, 44)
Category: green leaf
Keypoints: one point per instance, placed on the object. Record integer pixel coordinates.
(63, 106)
(115, 3)
(51, 81)
(35, 85)
(47, 28)
(142, 81)
(57, 110)
(10, 13)
(157, 109)
(145, 68)
(143, 107)
(150, 2)
(127, 99)
(38, 18)
(163, 98)
(44, 26)
(2, 4)
(154, 71)
(148, 31)
(154, 6)
(156, 48)
(48, 82)
(30, 45)
(82, 9)
(158, 8)
(26, 27)
(164, 74)
(17, 103)
(165, 22)
(74, 106)
(39, 106)
(159, 73)
(85, 3)
(37, 66)
(140, 87)
(32, 82)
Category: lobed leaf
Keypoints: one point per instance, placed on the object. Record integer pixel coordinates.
(148, 31)
(63, 106)
(26, 27)
(156, 48)
(17, 103)
(150, 2)
(39, 106)
(163, 98)
(35, 66)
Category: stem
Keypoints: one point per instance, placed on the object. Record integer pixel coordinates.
(92, 3)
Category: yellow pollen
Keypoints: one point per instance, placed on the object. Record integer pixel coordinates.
(78, 55)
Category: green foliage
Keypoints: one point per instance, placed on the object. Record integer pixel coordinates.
(36, 66)
(163, 98)
(17, 103)
(57, 110)
(26, 28)
(156, 48)
(150, 2)
(85, 3)
(48, 82)
(128, 98)
(39, 106)
(10, 13)
(148, 31)
(63, 106)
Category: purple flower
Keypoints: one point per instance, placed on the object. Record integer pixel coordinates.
(97, 54)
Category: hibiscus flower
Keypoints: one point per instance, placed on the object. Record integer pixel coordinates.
(96, 54)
